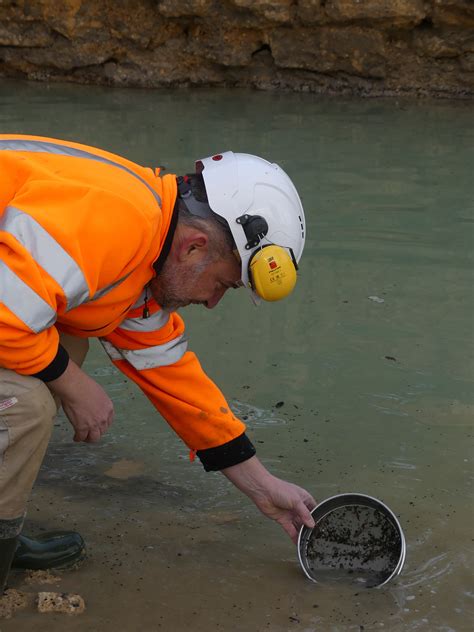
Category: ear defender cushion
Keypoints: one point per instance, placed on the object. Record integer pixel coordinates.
(272, 273)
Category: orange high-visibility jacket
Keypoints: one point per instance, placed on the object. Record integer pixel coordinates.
(80, 229)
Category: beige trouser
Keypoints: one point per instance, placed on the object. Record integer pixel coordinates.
(27, 411)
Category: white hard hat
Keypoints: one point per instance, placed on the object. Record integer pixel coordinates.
(262, 208)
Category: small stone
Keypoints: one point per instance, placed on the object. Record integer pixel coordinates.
(66, 603)
(11, 601)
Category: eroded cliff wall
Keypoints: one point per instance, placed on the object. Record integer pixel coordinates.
(368, 47)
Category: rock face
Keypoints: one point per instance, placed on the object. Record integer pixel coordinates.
(365, 47)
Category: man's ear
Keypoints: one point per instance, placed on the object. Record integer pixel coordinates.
(193, 246)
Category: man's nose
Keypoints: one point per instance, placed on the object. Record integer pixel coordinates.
(215, 298)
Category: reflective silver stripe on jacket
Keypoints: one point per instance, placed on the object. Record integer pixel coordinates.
(152, 323)
(110, 350)
(24, 302)
(52, 257)
(40, 146)
(108, 288)
(151, 357)
(47, 253)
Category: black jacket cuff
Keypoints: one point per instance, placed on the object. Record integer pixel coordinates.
(231, 453)
(55, 368)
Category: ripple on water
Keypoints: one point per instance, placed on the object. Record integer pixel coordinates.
(254, 416)
(389, 403)
(431, 569)
(445, 413)
(401, 464)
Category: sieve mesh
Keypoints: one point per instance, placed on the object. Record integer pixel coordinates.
(353, 543)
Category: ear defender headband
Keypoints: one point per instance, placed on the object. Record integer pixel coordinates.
(194, 206)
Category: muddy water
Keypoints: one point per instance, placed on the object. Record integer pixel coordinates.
(372, 360)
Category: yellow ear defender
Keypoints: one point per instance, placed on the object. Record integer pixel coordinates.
(272, 272)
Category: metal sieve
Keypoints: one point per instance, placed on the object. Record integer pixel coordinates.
(356, 540)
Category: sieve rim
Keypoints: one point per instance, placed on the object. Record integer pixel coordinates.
(338, 501)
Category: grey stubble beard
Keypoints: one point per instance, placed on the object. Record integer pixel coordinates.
(172, 286)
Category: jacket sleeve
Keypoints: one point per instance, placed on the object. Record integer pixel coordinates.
(153, 353)
(30, 297)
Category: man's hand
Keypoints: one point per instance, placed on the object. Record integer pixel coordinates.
(284, 502)
(86, 404)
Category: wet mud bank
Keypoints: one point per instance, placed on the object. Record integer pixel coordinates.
(371, 48)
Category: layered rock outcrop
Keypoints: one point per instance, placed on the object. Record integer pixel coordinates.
(365, 47)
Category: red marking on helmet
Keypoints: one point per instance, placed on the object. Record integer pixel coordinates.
(217, 157)
(273, 265)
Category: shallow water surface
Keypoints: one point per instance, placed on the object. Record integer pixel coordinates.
(361, 382)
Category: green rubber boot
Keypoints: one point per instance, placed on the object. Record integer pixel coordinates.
(55, 549)
(7, 551)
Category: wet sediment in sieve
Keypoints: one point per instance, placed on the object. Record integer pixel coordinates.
(353, 544)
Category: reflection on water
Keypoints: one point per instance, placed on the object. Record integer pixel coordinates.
(375, 396)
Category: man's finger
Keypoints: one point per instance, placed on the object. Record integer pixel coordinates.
(80, 435)
(93, 436)
(110, 418)
(305, 515)
(309, 502)
(291, 531)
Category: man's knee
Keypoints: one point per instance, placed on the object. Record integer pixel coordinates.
(26, 407)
